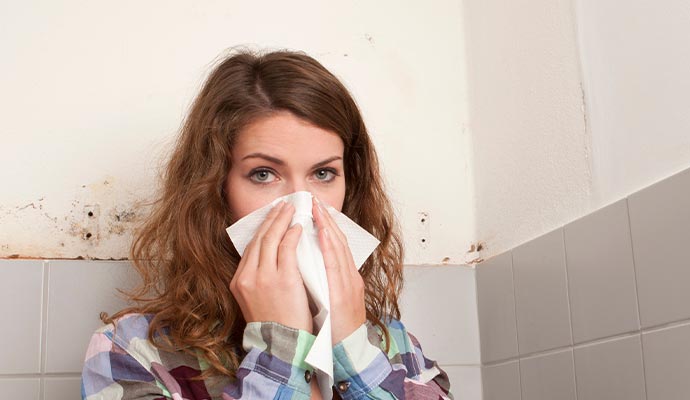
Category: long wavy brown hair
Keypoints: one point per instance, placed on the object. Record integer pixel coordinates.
(182, 251)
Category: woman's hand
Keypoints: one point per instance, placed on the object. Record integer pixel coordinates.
(345, 284)
(267, 284)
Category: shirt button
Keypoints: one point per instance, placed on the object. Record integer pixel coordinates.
(343, 386)
(307, 376)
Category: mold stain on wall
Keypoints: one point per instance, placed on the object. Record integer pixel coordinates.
(95, 222)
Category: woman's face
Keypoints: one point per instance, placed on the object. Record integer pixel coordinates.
(282, 154)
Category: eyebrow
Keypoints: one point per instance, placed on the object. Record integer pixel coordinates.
(281, 162)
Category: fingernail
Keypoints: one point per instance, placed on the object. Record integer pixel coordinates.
(325, 233)
(318, 206)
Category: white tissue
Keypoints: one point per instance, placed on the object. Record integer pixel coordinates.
(311, 266)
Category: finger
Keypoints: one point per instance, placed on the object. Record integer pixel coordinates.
(287, 251)
(268, 256)
(339, 280)
(330, 260)
(328, 241)
(270, 217)
(340, 247)
(249, 258)
(328, 219)
(246, 267)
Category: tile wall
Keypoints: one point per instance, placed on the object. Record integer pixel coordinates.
(51, 307)
(597, 309)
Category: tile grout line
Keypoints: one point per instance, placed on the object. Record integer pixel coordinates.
(570, 312)
(637, 294)
(479, 330)
(555, 350)
(517, 334)
(607, 339)
(39, 376)
(44, 326)
(667, 325)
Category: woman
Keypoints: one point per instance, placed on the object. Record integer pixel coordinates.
(209, 324)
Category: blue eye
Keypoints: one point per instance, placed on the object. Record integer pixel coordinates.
(260, 176)
(323, 174)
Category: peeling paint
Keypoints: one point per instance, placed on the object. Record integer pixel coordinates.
(476, 248)
(95, 221)
(120, 219)
(479, 246)
(475, 261)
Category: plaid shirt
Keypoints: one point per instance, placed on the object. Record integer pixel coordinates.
(125, 365)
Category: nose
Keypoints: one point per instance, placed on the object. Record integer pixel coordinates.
(296, 185)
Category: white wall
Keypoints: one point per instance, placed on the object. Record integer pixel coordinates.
(93, 94)
(530, 147)
(573, 105)
(636, 57)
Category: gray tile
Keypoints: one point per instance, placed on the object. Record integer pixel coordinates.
(465, 381)
(501, 382)
(541, 294)
(548, 377)
(20, 388)
(611, 370)
(447, 337)
(496, 304)
(667, 363)
(21, 298)
(660, 227)
(67, 388)
(78, 292)
(601, 277)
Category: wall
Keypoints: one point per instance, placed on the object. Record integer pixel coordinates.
(96, 94)
(573, 105)
(530, 147)
(636, 60)
(596, 309)
(53, 308)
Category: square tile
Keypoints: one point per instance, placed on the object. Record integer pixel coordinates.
(541, 294)
(660, 227)
(601, 276)
(21, 301)
(465, 381)
(20, 388)
(496, 304)
(67, 388)
(611, 370)
(429, 295)
(78, 292)
(501, 382)
(548, 377)
(667, 363)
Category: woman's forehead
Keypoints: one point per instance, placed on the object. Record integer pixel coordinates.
(287, 135)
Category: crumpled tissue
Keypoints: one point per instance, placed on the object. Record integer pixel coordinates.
(311, 266)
